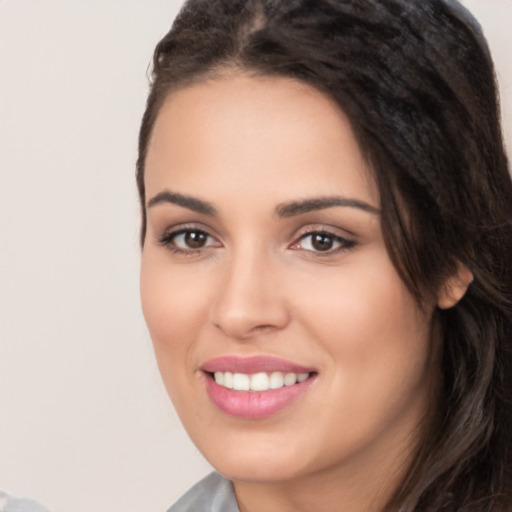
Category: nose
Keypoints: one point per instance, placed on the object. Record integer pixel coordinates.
(249, 299)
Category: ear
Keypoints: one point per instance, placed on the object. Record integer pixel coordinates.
(454, 288)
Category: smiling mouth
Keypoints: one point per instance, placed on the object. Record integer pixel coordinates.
(255, 387)
(261, 381)
(256, 395)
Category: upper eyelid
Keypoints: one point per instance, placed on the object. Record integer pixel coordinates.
(324, 228)
(321, 232)
(189, 226)
(338, 238)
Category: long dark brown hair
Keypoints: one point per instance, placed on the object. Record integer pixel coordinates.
(417, 82)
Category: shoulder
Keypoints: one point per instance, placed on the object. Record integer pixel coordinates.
(212, 494)
(10, 503)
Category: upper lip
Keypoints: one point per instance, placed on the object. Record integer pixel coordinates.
(252, 364)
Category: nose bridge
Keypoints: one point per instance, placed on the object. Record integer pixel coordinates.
(248, 298)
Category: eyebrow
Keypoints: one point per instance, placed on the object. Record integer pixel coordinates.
(292, 208)
(192, 203)
(284, 210)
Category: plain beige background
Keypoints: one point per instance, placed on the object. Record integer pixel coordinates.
(85, 425)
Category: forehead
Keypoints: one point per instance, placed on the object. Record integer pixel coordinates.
(261, 132)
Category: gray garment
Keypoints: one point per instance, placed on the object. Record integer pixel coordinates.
(9, 503)
(212, 494)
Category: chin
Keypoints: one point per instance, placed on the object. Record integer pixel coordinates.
(256, 471)
(256, 458)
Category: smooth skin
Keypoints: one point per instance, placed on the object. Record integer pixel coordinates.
(242, 270)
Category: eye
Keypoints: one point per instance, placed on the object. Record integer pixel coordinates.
(322, 242)
(188, 240)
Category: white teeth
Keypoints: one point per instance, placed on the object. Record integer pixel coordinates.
(290, 379)
(258, 381)
(276, 380)
(241, 382)
(228, 380)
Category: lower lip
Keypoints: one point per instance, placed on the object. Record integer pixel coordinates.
(254, 404)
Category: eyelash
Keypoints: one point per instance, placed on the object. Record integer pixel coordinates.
(168, 240)
(344, 243)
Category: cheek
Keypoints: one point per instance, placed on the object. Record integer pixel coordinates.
(173, 304)
(377, 343)
(369, 324)
(174, 307)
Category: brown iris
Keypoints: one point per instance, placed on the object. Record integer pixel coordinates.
(322, 242)
(195, 239)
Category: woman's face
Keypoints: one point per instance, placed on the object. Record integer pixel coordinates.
(285, 338)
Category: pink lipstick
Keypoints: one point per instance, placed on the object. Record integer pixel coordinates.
(255, 387)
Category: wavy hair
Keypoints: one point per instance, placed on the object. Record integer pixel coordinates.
(417, 82)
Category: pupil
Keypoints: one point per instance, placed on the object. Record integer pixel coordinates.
(195, 239)
(322, 242)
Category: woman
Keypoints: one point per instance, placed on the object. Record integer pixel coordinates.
(326, 271)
